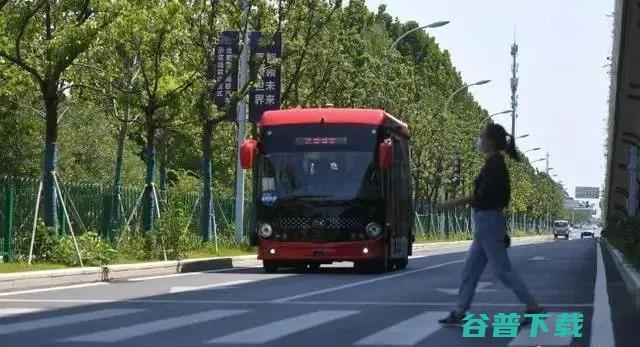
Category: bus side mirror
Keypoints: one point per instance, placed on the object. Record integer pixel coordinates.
(248, 153)
(385, 154)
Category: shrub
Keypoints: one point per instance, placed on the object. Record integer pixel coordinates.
(624, 235)
(93, 250)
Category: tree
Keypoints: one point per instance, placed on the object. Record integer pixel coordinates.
(155, 31)
(43, 38)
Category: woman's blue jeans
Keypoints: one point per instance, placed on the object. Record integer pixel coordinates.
(488, 246)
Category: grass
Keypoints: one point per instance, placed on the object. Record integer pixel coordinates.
(462, 236)
(207, 252)
(21, 267)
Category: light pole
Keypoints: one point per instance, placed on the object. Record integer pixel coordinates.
(395, 43)
(495, 114)
(521, 136)
(464, 86)
(531, 150)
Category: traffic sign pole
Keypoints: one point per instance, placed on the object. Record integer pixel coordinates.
(243, 71)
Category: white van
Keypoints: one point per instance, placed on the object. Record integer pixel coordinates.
(561, 228)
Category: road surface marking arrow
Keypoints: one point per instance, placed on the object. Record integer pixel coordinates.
(480, 288)
(210, 286)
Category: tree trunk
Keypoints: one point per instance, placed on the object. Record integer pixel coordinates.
(49, 92)
(207, 130)
(117, 179)
(150, 158)
(163, 153)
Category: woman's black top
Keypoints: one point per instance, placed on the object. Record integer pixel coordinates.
(492, 189)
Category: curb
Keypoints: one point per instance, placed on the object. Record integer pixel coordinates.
(50, 278)
(630, 276)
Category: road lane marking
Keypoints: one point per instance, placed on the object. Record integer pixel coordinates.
(359, 283)
(279, 329)
(601, 323)
(542, 338)
(40, 290)
(209, 286)
(131, 331)
(479, 289)
(158, 277)
(16, 311)
(269, 302)
(57, 321)
(406, 333)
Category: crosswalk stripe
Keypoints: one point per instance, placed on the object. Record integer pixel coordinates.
(16, 311)
(542, 338)
(119, 334)
(36, 324)
(406, 333)
(273, 331)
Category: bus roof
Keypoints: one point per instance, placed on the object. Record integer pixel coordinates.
(331, 116)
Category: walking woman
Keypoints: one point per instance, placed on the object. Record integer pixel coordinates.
(490, 197)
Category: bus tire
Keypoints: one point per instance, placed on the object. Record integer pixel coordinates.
(401, 263)
(270, 266)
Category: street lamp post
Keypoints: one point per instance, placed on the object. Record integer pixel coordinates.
(464, 86)
(522, 136)
(531, 150)
(494, 114)
(395, 43)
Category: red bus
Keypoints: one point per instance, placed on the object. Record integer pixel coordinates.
(331, 185)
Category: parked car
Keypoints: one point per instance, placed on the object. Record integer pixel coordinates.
(561, 228)
(587, 231)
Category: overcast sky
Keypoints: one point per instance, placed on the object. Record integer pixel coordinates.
(564, 85)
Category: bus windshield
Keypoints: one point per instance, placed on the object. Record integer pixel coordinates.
(329, 175)
(321, 162)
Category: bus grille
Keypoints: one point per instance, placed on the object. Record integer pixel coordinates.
(319, 229)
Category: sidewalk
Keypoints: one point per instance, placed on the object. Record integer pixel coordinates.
(50, 278)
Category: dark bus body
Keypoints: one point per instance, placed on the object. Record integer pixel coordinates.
(331, 185)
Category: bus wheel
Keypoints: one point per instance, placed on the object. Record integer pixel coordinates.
(402, 263)
(314, 267)
(270, 266)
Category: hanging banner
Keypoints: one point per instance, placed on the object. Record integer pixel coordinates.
(225, 70)
(266, 52)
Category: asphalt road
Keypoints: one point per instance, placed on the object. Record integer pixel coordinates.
(335, 307)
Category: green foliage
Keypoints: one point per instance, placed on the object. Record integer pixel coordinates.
(150, 61)
(623, 235)
(94, 250)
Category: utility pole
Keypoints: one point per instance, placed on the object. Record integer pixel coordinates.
(514, 87)
(546, 169)
(243, 71)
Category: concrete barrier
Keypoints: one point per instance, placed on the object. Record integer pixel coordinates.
(630, 276)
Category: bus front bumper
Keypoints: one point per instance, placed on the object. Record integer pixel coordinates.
(324, 252)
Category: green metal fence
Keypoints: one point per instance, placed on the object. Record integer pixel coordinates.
(90, 208)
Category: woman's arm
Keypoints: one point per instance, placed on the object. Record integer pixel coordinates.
(456, 202)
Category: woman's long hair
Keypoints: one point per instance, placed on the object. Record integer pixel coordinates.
(504, 142)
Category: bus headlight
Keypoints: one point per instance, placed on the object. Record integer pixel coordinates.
(265, 230)
(373, 229)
